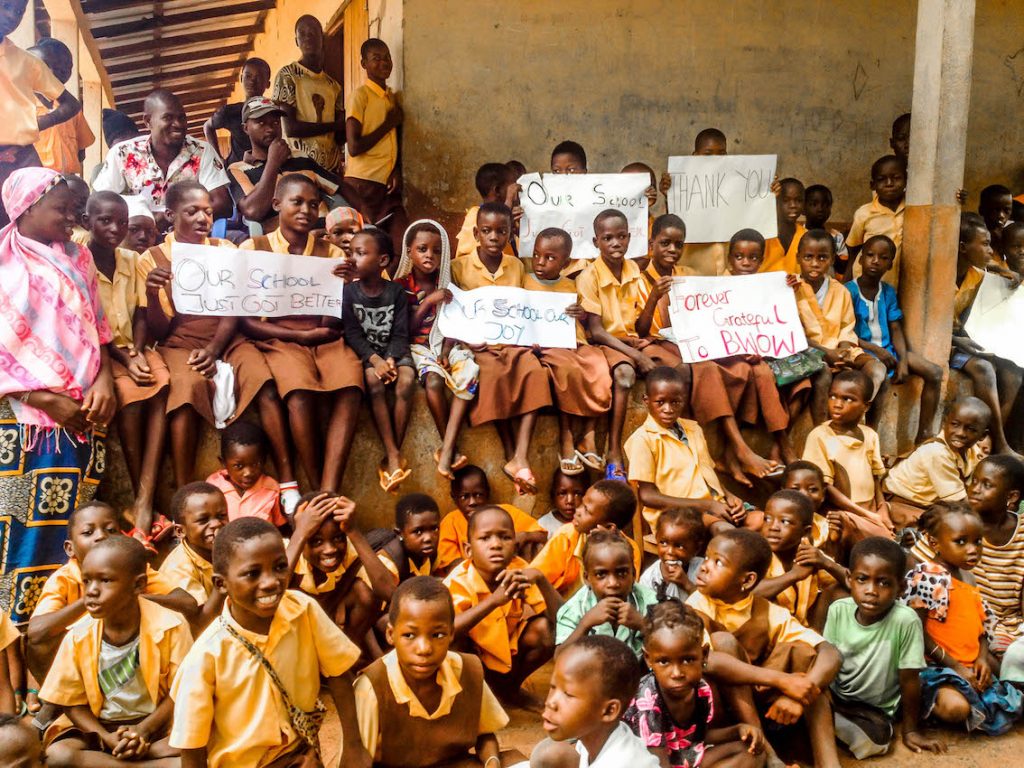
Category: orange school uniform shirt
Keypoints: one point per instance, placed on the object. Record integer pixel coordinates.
(562, 285)
(777, 259)
(263, 500)
(454, 532)
(64, 587)
(22, 76)
(58, 147)
(186, 569)
(876, 219)
(830, 322)
(469, 272)
(618, 302)
(496, 635)
(650, 279)
(561, 559)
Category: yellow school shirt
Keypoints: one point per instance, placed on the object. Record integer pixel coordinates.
(496, 635)
(119, 296)
(224, 699)
(186, 569)
(876, 219)
(279, 245)
(799, 598)
(369, 104)
(307, 581)
(454, 532)
(466, 243)
(492, 716)
(830, 323)
(964, 298)
(8, 632)
(58, 146)
(22, 76)
(64, 587)
(73, 680)
(933, 472)
(469, 272)
(778, 260)
(782, 625)
(561, 559)
(650, 278)
(681, 469)
(563, 285)
(617, 302)
(860, 461)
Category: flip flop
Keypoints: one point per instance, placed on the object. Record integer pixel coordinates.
(390, 482)
(591, 459)
(571, 466)
(524, 481)
(145, 540)
(161, 528)
(615, 471)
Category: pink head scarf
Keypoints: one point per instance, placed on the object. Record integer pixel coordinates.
(51, 325)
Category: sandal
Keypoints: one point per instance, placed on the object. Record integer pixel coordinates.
(32, 708)
(145, 540)
(160, 528)
(615, 471)
(591, 459)
(390, 482)
(571, 466)
(523, 480)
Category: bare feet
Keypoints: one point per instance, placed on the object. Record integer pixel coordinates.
(732, 465)
(754, 465)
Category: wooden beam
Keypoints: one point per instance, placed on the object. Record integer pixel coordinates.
(176, 58)
(166, 43)
(191, 101)
(177, 73)
(181, 92)
(176, 19)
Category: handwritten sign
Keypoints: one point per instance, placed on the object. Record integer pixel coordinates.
(997, 315)
(572, 201)
(716, 317)
(718, 195)
(223, 281)
(513, 316)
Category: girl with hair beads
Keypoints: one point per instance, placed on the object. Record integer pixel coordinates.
(958, 685)
(425, 272)
(673, 709)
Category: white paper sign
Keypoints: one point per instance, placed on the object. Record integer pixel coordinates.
(716, 317)
(997, 315)
(513, 316)
(718, 195)
(572, 201)
(224, 281)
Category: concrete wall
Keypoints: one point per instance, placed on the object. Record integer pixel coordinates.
(815, 81)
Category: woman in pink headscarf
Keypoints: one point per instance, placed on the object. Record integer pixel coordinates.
(56, 388)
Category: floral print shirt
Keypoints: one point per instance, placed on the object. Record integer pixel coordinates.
(649, 718)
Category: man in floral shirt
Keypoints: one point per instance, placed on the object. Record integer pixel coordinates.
(148, 165)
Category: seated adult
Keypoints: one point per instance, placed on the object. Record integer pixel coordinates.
(148, 165)
(254, 178)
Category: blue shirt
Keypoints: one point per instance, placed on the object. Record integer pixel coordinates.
(570, 614)
(888, 309)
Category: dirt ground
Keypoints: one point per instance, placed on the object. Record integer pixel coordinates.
(524, 731)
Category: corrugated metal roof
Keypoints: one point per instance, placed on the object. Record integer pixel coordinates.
(195, 49)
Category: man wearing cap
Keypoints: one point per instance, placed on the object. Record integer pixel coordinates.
(254, 178)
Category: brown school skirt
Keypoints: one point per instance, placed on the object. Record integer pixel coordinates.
(128, 391)
(512, 383)
(904, 512)
(660, 351)
(736, 387)
(580, 380)
(371, 198)
(791, 658)
(324, 368)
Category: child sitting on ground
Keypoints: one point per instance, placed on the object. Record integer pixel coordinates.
(994, 380)
(670, 462)
(495, 184)
(883, 215)
(425, 273)
(780, 252)
(882, 646)
(607, 504)
(113, 671)
(248, 490)
(958, 686)
(817, 212)
(611, 603)
(610, 291)
(826, 311)
(850, 459)
(679, 535)
(140, 375)
(423, 693)
(566, 495)
(375, 314)
(801, 578)
(470, 490)
(412, 549)
(199, 511)
(504, 609)
(593, 681)
(735, 562)
(939, 468)
(581, 384)
(807, 478)
(879, 327)
(268, 640)
(673, 710)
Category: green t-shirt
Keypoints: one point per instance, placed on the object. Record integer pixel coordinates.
(874, 655)
(570, 614)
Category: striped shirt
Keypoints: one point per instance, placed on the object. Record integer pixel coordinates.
(999, 575)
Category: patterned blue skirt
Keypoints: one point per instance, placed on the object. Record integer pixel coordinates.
(44, 475)
(993, 711)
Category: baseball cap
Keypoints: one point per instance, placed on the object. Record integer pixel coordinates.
(258, 106)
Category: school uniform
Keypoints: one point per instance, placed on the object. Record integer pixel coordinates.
(308, 580)
(513, 382)
(496, 635)
(224, 699)
(391, 718)
(119, 296)
(186, 569)
(678, 463)
(297, 367)
(962, 301)
(876, 219)
(263, 500)
(707, 259)
(561, 559)
(827, 315)
(119, 684)
(580, 380)
(189, 333)
(454, 532)
(65, 586)
(466, 243)
(779, 259)
(799, 598)
(367, 174)
(933, 472)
